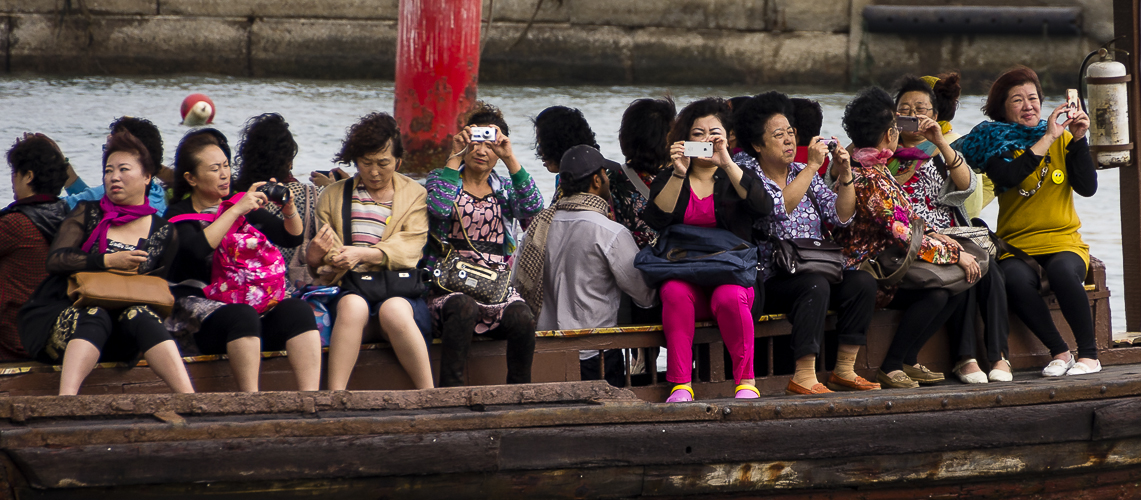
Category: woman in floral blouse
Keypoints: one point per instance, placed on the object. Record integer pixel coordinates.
(884, 219)
(642, 136)
(801, 203)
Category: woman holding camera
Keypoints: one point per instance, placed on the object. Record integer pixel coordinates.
(1038, 166)
(708, 192)
(885, 219)
(802, 203)
(469, 204)
(382, 227)
(939, 189)
(202, 182)
(106, 236)
(265, 154)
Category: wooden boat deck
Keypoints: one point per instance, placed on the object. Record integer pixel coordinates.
(583, 439)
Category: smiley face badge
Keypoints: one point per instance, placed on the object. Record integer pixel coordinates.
(1058, 177)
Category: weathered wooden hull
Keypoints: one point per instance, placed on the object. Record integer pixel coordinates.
(587, 440)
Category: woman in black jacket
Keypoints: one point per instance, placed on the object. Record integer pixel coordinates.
(712, 192)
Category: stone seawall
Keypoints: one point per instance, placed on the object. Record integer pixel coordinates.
(814, 42)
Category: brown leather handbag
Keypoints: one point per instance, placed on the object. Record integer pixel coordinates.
(118, 289)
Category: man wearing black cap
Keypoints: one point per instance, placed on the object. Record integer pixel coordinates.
(576, 262)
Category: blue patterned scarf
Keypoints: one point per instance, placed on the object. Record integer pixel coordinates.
(988, 139)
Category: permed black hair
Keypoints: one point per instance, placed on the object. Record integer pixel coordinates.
(559, 128)
(485, 114)
(145, 131)
(808, 117)
(642, 134)
(752, 116)
(709, 106)
(37, 154)
(912, 83)
(368, 135)
(265, 151)
(868, 116)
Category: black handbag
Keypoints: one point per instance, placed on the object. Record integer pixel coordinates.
(487, 282)
(809, 255)
(377, 286)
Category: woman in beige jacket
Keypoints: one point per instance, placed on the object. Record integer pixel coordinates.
(388, 228)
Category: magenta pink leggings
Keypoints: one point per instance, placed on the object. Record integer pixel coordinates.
(683, 304)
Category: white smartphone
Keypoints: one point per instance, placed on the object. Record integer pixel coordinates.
(699, 149)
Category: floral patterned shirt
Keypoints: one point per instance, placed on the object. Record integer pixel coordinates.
(627, 205)
(883, 218)
(923, 190)
(804, 221)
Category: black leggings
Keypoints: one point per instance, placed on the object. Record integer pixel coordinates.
(458, 317)
(1067, 274)
(806, 298)
(288, 319)
(130, 332)
(989, 296)
(924, 311)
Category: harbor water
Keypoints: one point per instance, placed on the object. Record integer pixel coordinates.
(76, 111)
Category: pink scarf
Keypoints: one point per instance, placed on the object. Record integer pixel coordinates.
(872, 156)
(114, 215)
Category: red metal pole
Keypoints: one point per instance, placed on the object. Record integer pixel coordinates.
(437, 67)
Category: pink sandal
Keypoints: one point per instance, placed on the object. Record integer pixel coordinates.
(680, 394)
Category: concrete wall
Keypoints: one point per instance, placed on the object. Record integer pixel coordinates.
(598, 41)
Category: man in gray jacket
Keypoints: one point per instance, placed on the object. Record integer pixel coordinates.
(575, 262)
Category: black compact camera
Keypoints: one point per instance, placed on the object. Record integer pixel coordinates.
(275, 192)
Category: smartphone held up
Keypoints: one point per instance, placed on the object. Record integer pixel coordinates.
(698, 149)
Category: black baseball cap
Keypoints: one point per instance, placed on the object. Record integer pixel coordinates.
(582, 161)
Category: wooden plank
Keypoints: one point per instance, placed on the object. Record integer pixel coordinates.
(1118, 420)
(697, 443)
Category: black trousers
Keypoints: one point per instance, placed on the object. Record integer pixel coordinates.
(615, 373)
(122, 335)
(1067, 274)
(924, 311)
(806, 299)
(458, 317)
(288, 319)
(988, 296)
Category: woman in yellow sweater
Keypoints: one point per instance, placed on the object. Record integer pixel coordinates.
(1037, 166)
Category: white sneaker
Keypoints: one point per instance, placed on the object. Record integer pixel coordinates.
(1057, 367)
(1084, 369)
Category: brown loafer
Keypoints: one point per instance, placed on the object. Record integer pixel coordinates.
(901, 381)
(922, 374)
(860, 384)
(795, 388)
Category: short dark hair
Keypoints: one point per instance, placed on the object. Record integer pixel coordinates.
(995, 106)
(709, 106)
(868, 116)
(145, 131)
(368, 135)
(912, 83)
(569, 187)
(265, 151)
(752, 116)
(808, 117)
(486, 114)
(736, 102)
(947, 89)
(124, 141)
(37, 154)
(184, 157)
(642, 134)
(559, 128)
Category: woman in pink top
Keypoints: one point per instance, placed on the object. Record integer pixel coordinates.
(708, 192)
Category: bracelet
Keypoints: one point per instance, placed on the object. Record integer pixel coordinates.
(291, 216)
(675, 175)
(850, 181)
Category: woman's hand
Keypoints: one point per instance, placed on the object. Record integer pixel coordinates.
(817, 151)
(252, 200)
(931, 130)
(842, 161)
(970, 266)
(502, 148)
(721, 155)
(679, 159)
(1053, 128)
(350, 256)
(125, 261)
(1079, 124)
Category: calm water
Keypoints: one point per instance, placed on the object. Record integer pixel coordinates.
(76, 112)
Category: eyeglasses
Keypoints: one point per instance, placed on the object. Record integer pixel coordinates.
(908, 111)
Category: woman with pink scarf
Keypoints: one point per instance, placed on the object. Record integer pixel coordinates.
(884, 219)
(119, 232)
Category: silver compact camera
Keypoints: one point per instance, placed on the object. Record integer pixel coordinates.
(831, 143)
(699, 149)
(482, 134)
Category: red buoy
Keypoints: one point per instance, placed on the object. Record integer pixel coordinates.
(197, 109)
(437, 68)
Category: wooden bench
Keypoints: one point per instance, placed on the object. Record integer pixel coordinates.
(556, 358)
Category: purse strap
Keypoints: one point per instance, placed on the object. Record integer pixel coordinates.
(918, 226)
(636, 180)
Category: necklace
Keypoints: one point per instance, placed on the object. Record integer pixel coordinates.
(1041, 178)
